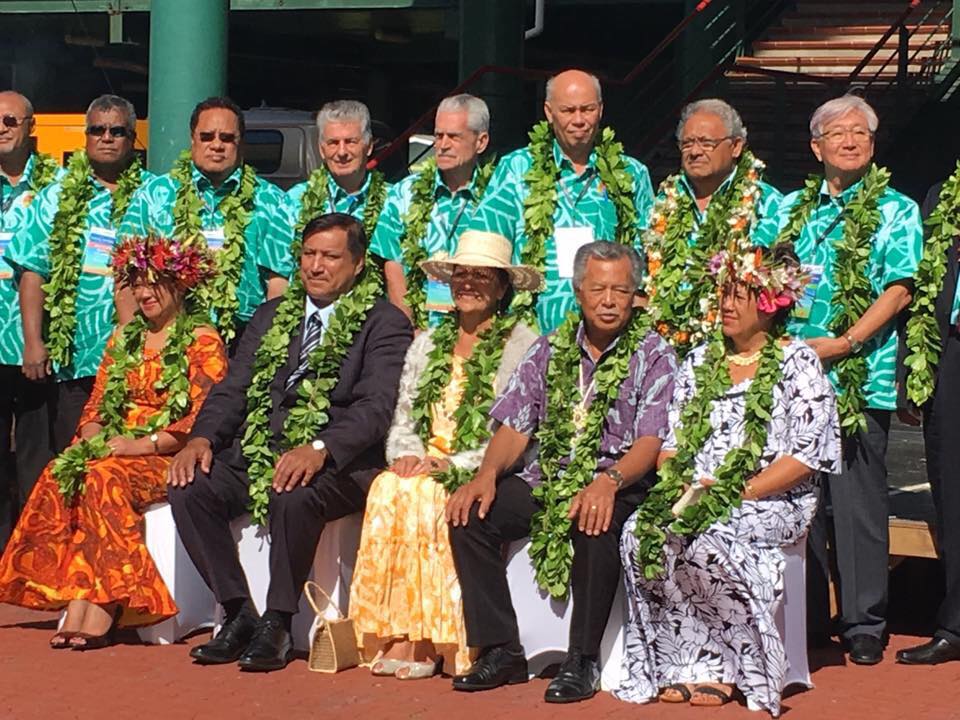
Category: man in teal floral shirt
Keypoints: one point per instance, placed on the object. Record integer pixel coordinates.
(23, 403)
(37, 253)
(222, 181)
(843, 132)
(584, 209)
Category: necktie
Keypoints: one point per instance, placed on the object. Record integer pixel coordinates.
(311, 338)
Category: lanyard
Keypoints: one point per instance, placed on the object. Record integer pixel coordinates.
(836, 221)
(588, 181)
(456, 220)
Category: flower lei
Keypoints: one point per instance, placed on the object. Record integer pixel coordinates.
(66, 246)
(314, 200)
(220, 295)
(551, 548)
(923, 332)
(126, 355)
(415, 224)
(683, 303)
(541, 202)
(310, 413)
(853, 293)
(480, 369)
(43, 172)
(712, 380)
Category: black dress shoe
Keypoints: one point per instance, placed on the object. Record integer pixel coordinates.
(497, 666)
(578, 679)
(229, 643)
(270, 649)
(934, 652)
(865, 649)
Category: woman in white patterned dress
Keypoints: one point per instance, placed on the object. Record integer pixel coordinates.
(701, 617)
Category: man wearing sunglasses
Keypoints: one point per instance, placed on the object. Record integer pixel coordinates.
(228, 205)
(23, 173)
(63, 249)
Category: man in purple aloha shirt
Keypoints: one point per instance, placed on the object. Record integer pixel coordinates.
(496, 507)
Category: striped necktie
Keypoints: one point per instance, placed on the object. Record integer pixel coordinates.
(311, 338)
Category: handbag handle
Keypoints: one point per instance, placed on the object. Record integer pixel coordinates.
(308, 587)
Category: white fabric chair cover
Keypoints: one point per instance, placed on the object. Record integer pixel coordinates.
(544, 623)
(332, 568)
(792, 615)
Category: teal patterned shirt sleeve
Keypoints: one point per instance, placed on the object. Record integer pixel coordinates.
(642, 196)
(150, 208)
(772, 214)
(275, 232)
(386, 239)
(902, 239)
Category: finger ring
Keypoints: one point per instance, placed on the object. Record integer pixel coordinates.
(593, 507)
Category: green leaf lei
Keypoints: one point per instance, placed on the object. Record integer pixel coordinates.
(541, 202)
(219, 296)
(480, 369)
(853, 293)
(126, 354)
(310, 413)
(683, 299)
(551, 548)
(66, 247)
(712, 381)
(43, 172)
(416, 223)
(923, 332)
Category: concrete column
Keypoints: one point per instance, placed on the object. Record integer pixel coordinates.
(188, 62)
(491, 33)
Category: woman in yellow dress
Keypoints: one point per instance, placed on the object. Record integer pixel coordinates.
(405, 597)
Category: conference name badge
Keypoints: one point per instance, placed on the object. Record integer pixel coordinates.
(801, 310)
(439, 297)
(6, 272)
(568, 240)
(96, 255)
(215, 238)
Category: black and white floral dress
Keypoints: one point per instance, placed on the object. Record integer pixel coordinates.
(711, 616)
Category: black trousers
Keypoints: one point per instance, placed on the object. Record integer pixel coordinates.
(478, 555)
(203, 511)
(941, 434)
(66, 409)
(861, 509)
(24, 418)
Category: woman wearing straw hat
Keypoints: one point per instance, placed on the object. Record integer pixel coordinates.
(405, 597)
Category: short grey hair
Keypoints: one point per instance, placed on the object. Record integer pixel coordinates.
(27, 105)
(714, 106)
(478, 114)
(593, 78)
(606, 250)
(106, 103)
(838, 107)
(346, 111)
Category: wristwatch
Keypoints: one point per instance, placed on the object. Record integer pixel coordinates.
(855, 345)
(318, 445)
(616, 476)
(154, 438)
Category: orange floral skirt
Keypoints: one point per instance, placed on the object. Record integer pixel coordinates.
(404, 580)
(91, 549)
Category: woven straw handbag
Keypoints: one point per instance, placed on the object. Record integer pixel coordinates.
(334, 646)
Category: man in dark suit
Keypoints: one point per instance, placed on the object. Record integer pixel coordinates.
(312, 484)
(941, 435)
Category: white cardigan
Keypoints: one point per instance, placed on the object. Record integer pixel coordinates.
(402, 438)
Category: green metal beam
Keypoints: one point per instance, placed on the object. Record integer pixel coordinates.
(188, 62)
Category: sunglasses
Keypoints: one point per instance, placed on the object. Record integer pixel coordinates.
(12, 121)
(116, 131)
(227, 138)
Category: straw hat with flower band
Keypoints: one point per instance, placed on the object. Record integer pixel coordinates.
(474, 249)
(154, 258)
(675, 503)
(477, 248)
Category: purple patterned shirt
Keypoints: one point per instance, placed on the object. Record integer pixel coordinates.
(640, 409)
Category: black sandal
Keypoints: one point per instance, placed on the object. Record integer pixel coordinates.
(95, 642)
(680, 688)
(711, 691)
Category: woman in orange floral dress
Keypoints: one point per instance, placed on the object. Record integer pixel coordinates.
(85, 552)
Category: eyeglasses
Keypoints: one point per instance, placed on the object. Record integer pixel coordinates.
(708, 144)
(476, 276)
(12, 121)
(115, 131)
(227, 138)
(836, 137)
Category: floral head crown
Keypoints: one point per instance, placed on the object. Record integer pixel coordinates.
(157, 258)
(778, 285)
